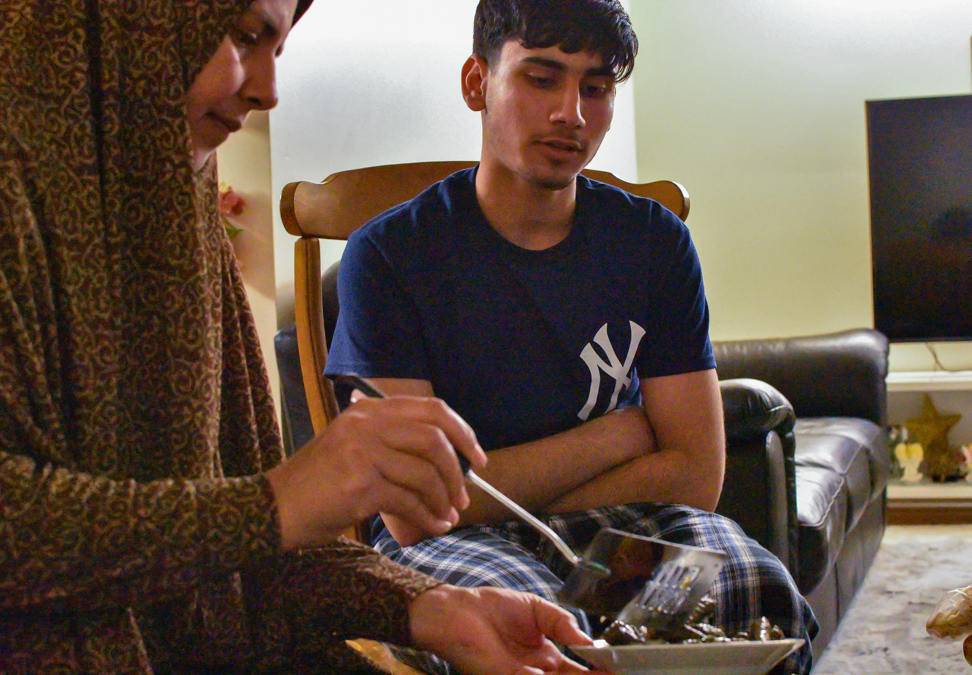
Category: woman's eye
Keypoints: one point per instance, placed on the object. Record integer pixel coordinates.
(244, 38)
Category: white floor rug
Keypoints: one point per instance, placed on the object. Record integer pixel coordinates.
(884, 631)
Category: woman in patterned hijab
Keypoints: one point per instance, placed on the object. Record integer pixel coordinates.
(148, 522)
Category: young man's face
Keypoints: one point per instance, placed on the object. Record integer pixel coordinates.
(545, 112)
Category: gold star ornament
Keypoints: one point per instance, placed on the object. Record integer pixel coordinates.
(940, 462)
(931, 429)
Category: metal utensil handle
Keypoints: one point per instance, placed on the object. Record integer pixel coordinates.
(541, 527)
(371, 390)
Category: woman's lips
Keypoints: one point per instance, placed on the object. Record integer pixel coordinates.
(231, 124)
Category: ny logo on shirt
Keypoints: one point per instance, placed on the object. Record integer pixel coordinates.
(613, 366)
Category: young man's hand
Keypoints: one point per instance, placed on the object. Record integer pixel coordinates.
(491, 631)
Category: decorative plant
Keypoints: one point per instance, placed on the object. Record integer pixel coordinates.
(231, 205)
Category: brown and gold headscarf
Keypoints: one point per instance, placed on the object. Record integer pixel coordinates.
(133, 354)
(135, 526)
(128, 356)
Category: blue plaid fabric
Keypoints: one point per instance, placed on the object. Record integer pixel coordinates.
(753, 582)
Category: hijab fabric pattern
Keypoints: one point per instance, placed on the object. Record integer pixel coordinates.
(135, 415)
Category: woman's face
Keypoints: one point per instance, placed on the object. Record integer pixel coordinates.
(240, 76)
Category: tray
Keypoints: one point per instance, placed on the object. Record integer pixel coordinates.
(710, 658)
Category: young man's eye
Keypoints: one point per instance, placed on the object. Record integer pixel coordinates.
(540, 81)
(596, 90)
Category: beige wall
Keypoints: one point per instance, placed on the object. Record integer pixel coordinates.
(244, 165)
(757, 106)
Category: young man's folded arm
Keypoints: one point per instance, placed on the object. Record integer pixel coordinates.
(539, 473)
(688, 466)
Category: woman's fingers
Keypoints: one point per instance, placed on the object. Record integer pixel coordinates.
(435, 412)
(414, 475)
(430, 446)
(429, 429)
(394, 455)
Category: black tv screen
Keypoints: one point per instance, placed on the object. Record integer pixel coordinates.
(920, 171)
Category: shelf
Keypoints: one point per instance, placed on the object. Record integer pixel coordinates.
(960, 489)
(927, 503)
(934, 380)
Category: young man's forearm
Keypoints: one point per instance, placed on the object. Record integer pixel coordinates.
(689, 464)
(541, 472)
(664, 477)
(538, 473)
(615, 459)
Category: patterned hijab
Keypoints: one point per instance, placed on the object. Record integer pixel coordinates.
(126, 345)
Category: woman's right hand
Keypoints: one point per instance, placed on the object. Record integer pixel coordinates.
(395, 455)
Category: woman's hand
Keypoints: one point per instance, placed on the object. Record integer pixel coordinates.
(395, 455)
(491, 631)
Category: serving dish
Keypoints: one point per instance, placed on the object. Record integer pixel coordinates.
(708, 658)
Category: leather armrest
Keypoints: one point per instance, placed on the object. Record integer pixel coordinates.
(759, 490)
(835, 375)
(295, 417)
(752, 407)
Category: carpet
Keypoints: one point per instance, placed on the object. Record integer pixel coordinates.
(884, 630)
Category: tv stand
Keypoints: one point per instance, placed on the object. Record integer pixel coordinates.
(927, 502)
(930, 380)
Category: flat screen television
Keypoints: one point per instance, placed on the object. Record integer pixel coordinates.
(920, 173)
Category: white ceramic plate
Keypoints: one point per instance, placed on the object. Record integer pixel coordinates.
(712, 658)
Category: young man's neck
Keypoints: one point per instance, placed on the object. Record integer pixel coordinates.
(531, 216)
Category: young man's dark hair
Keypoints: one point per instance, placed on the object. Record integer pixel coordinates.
(598, 26)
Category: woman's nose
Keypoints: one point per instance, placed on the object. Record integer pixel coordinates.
(260, 87)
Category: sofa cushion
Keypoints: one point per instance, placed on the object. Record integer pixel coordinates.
(861, 432)
(822, 514)
(841, 466)
(845, 445)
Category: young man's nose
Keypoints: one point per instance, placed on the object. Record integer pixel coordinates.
(260, 87)
(568, 109)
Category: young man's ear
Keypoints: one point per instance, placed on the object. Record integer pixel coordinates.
(474, 76)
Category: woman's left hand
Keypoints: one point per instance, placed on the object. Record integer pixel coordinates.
(491, 631)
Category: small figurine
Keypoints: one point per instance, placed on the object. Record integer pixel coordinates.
(897, 435)
(909, 457)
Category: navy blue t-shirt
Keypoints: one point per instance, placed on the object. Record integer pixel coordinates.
(522, 344)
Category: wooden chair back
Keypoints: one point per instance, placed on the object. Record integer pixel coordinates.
(345, 201)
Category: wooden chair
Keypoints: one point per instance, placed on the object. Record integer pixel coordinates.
(335, 208)
(345, 201)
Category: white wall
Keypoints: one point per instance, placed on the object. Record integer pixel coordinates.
(378, 82)
(757, 106)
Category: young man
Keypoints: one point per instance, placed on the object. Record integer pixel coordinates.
(563, 319)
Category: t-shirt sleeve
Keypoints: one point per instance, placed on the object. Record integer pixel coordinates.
(378, 330)
(679, 316)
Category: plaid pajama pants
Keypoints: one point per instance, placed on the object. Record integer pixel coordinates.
(753, 582)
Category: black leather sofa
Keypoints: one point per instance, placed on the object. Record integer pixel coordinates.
(808, 458)
(807, 455)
